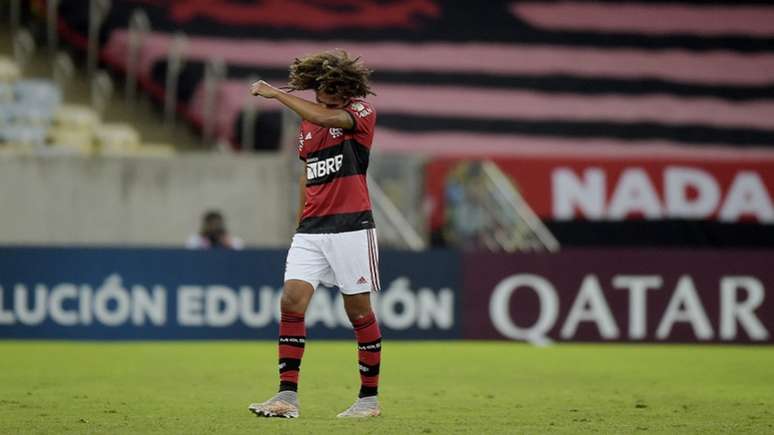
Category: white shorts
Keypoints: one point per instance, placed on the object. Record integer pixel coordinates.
(348, 260)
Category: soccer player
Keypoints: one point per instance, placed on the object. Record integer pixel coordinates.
(335, 243)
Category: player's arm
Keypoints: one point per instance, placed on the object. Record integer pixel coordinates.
(312, 112)
(301, 195)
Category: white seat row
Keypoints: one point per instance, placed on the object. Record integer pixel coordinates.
(9, 71)
(34, 120)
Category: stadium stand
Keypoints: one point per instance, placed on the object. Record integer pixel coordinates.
(9, 73)
(631, 81)
(33, 119)
(521, 72)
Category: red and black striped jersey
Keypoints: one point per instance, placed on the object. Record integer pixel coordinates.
(336, 163)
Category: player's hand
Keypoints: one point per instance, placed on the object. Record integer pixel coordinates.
(263, 89)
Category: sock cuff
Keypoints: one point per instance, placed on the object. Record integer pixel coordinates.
(367, 391)
(290, 316)
(288, 386)
(364, 321)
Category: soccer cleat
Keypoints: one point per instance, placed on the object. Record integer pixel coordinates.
(281, 405)
(364, 407)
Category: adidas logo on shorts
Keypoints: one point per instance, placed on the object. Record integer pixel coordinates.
(362, 280)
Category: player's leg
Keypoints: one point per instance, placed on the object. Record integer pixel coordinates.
(306, 265)
(369, 353)
(353, 256)
(296, 295)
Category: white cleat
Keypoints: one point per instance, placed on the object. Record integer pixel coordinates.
(275, 407)
(364, 407)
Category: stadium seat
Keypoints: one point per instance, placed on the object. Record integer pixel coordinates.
(6, 114)
(8, 149)
(38, 91)
(25, 113)
(6, 92)
(117, 138)
(62, 150)
(23, 135)
(78, 140)
(76, 117)
(156, 150)
(9, 71)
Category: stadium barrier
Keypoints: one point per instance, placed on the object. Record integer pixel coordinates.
(574, 295)
(620, 295)
(144, 201)
(176, 294)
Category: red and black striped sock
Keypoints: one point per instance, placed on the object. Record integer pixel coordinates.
(369, 353)
(292, 338)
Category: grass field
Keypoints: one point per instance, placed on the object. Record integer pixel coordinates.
(433, 387)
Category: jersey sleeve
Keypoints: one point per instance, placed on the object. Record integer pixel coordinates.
(364, 117)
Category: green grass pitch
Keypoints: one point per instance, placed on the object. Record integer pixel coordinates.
(427, 387)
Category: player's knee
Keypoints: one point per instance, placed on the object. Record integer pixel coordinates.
(290, 301)
(357, 307)
(354, 316)
(294, 298)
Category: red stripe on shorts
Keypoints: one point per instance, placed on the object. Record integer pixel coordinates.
(371, 260)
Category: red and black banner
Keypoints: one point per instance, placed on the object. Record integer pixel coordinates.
(683, 73)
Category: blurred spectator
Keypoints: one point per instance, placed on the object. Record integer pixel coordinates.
(213, 234)
(466, 218)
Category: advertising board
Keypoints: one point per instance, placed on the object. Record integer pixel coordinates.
(178, 294)
(620, 295)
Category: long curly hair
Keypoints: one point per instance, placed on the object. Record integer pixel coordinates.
(333, 72)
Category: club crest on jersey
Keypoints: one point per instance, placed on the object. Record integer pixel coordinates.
(335, 132)
(321, 168)
(361, 109)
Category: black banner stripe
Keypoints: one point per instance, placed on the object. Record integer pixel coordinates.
(634, 131)
(193, 73)
(451, 23)
(665, 232)
(686, 133)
